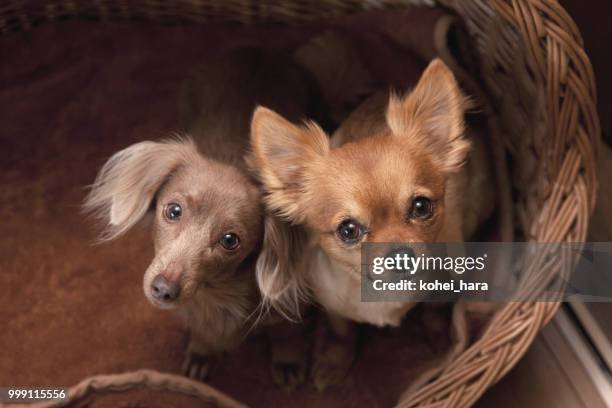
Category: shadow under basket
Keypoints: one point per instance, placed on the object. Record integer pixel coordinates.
(533, 69)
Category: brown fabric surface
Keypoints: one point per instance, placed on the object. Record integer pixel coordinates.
(71, 94)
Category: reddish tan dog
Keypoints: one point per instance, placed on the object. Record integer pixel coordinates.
(394, 172)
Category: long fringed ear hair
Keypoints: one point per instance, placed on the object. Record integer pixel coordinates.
(127, 183)
(432, 115)
(280, 269)
(280, 152)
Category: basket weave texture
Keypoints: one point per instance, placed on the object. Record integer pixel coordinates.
(541, 83)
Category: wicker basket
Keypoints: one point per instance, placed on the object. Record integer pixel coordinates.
(534, 69)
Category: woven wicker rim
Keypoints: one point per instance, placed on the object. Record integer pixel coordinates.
(533, 66)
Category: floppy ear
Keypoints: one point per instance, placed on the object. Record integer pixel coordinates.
(280, 153)
(279, 270)
(126, 185)
(432, 115)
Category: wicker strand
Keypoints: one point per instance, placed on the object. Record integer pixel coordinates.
(553, 44)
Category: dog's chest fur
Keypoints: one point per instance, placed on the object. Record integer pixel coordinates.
(339, 291)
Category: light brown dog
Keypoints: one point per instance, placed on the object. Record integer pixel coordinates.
(395, 172)
(208, 218)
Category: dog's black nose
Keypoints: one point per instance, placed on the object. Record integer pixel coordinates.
(401, 251)
(164, 290)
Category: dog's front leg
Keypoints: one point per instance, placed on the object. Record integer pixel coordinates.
(289, 348)
(334, 352)
(200, 358)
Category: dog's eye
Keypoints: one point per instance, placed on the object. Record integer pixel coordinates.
(350, 231)
(421, 209)
(173, 211)
(230, 241)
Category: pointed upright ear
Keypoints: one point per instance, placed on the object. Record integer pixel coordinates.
(279, 270)
(126, 185)
(432, 115)
(280, 153)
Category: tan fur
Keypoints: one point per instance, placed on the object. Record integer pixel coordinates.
(388, 151)
(206, 175)
(276, 261)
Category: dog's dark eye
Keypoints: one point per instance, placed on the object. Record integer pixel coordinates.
(350, 231)
(230, 241)
(421, 208)
(173, 211)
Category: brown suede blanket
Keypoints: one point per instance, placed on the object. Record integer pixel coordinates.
(73, 93)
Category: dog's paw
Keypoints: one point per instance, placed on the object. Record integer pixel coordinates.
(288, 374)
(289, 347)
(198, 366)
(332, 365)
(436, 324)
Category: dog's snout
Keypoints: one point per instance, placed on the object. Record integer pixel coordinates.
(165, 290)
(401, 251)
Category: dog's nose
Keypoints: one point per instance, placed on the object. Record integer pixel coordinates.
(401, 251)
(164, 290)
